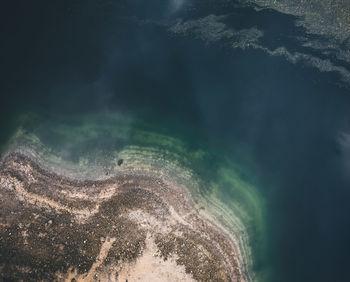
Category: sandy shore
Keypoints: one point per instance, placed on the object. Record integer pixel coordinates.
(130, 227)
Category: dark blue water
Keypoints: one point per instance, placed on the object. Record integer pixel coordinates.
(279, 120)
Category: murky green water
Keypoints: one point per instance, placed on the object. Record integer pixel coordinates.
(254, 137)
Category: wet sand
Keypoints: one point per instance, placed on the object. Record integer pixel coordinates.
(130, 227)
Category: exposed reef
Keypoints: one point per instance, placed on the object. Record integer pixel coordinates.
(153, 189)
(123, 227)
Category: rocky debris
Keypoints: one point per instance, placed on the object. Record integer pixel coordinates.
(55, 228)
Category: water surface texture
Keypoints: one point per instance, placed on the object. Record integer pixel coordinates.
(244, 102)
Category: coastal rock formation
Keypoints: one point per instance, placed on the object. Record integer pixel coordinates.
(122, 228)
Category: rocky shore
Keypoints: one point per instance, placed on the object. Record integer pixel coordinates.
(123, 228)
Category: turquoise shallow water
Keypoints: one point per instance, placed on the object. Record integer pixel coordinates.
(88, 146)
